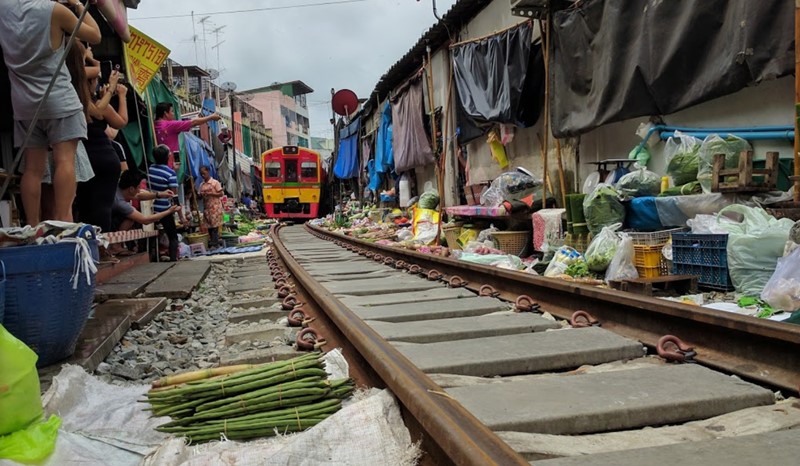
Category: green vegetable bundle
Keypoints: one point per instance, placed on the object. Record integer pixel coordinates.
(285, 396)
(601, 251)
(683, 158)
(603, 208)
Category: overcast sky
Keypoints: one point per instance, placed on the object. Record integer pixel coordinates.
(337, 45)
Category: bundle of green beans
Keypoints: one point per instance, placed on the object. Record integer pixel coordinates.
(285, 396)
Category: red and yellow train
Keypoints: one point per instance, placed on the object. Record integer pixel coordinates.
(293, 181)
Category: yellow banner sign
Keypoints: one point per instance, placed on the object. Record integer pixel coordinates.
(144, 57)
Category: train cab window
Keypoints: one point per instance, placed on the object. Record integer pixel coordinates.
(291, 171)
(308, 170)
(273, 170)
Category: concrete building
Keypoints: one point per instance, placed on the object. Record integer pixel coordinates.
(285, 111)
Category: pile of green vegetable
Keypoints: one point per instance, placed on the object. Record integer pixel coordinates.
(638, 183)
(428, 200)
(603, 208)
(244, 225)
(601, 251)
(279, 397)
(683, 158)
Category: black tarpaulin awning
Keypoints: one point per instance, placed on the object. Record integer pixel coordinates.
(618, 59)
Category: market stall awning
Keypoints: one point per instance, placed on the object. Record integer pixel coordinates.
(116, 15)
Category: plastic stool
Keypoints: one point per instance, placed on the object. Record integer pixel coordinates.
(197, 249)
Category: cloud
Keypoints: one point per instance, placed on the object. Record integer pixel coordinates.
(333, 46)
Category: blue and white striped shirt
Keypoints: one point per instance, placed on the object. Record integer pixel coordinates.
(162, 178)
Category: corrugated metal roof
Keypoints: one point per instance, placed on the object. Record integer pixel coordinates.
(435, 37)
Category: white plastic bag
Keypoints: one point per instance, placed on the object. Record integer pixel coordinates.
(622, 266)
(563, 258)
(601, 250)
(682, 154)
(782, 291)
(639, 183)
(754, 246)
(714, 144)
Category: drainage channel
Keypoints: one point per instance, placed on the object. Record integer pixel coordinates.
(482, 383)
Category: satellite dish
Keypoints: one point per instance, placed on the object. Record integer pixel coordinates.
(344, 102)
(246, 97)
(228, 86)
(213, 74)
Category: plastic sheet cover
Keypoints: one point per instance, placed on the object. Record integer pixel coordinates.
(618, 59)
(412, 147)
(501, 79)
(347, 160)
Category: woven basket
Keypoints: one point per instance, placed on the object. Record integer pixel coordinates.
(451, 233)
(193, 238)
(41, 307)
(512, 242)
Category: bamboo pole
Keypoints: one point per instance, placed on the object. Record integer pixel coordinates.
(796, 100)
(561, 179)
(546, 122)
(434, 141)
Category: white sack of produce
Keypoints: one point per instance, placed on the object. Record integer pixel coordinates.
(782, 291)
(603, 208)
(640, 182)
(602, 248)
(754, 246)
(622, 266)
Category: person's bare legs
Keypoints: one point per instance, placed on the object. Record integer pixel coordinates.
(31, 183)
(64, 184)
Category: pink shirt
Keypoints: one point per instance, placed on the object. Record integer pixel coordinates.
(167, 132)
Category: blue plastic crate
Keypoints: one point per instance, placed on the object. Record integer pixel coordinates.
(703, 255)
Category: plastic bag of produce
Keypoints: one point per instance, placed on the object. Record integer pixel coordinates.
(19, 384)
(510, 186)
(428, 200)
(563, 258)
(731, 146)
(425, 225)
(782, 291)
(622, 266)
(601, 251)
(754, 246)
(603, 208)
(639, 183)
(682, 153)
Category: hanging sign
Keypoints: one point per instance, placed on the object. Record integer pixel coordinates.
(144, 57)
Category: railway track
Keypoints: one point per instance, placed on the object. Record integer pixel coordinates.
(510, 377)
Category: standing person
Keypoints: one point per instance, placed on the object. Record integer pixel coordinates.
(32, 36)
(168, 129)
(96, 196)
(212, 193)
(162, 178)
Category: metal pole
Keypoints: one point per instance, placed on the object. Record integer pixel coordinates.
(232, 96)
(797, 101)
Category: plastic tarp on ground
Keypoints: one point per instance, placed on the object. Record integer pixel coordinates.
(500, 79)
(384, 155)
(347, 160)
(618, 59)
(104, 424)
(412, 147)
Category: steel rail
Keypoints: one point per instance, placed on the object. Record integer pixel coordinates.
(461, 436)
(757, 349)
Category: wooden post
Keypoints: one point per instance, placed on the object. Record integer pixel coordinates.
(796, 100)
(546, 123)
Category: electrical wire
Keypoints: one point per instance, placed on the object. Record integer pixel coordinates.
(251, 10)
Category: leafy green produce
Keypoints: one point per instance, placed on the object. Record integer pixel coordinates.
(577, 269)
(429, 200)
(603, 208)
(640, 182)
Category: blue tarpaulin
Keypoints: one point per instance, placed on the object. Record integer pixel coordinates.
(346, 166)
(209, 107)
(384, 152)
(200, 154)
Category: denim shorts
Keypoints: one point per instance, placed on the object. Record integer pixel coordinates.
(51, 131)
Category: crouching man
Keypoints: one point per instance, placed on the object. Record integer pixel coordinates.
(124, 215)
